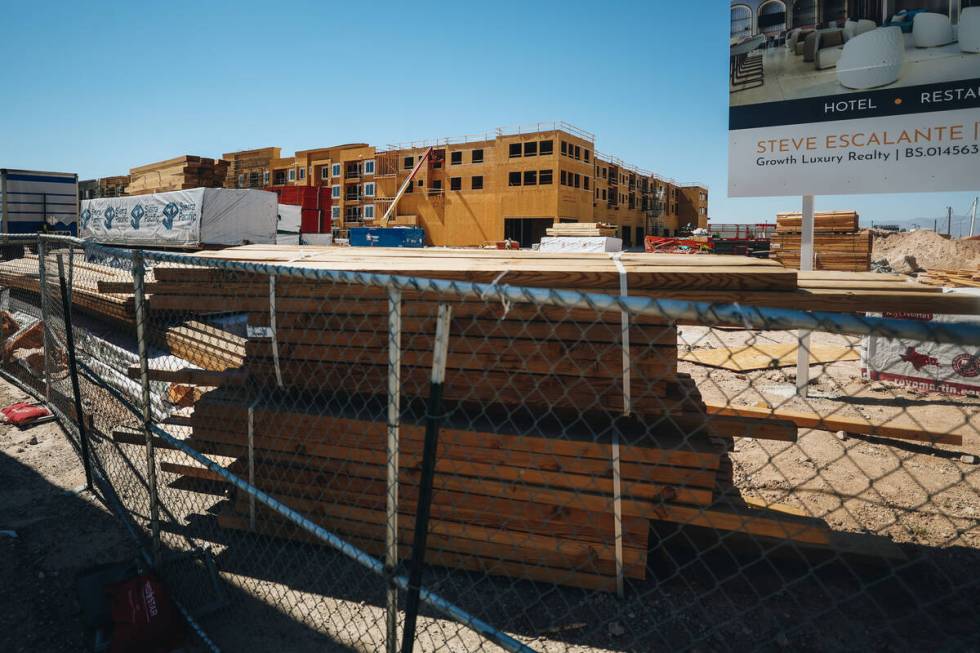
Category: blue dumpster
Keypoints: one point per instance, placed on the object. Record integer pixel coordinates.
(386, 237)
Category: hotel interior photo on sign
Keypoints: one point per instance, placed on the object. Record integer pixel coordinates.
(833, 97)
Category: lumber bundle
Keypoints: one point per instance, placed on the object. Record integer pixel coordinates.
(200, 344)
(823, 222)
(832, 251)
(583, 229)
(177, 174)
(22, 275)
(103, 187)
(528, 496)
(523, 485)
(951, 278)
(335, 336)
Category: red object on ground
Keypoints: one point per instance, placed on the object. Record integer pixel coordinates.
(23, 413)
(143, 618)
(664, 245)
(314, 203)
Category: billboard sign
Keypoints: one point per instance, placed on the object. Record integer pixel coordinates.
(831, 98)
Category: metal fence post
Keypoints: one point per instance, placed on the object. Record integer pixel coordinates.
(42, 252)
(139, 276)
(394, 414)
(73, 371)
(429, 448)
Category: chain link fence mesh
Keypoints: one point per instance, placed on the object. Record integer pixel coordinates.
(583, 496)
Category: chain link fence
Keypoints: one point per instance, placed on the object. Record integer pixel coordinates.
(315, 459)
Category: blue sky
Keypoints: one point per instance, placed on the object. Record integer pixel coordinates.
(103, 86)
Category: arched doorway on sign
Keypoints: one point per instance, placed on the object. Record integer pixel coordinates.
(741, 21)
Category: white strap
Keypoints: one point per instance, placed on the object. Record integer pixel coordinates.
(617, 478)
(272, 324)
(251, 464)
(624, 320)
(617, 514)
(503, 300)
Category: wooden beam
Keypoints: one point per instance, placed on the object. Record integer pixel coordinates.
(811, 420)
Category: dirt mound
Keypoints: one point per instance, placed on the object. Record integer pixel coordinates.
(914, 251)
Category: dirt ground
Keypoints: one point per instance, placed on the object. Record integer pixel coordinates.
(908, 491)
(59, 531)
(912, 251)
(702, 594)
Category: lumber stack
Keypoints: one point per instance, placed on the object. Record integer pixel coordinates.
(951, 278)
(527, 496)
(200, 344)
(827, 222)
(837, 244)
(583, 230)
(523, 483)
(22, 275)
(177, 174)
(103, 187)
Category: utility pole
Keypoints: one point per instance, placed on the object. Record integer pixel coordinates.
(973, 215)
(949, 221)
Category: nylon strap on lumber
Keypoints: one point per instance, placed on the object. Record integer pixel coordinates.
(251, 463)
(272, 326)
(617, 488)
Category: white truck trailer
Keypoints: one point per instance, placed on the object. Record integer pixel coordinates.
(33, 201)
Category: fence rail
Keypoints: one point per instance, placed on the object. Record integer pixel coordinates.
(545, 469)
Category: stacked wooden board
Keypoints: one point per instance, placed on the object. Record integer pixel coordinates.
(823, 222)
(103, 187)
(952, 278)
(523, 484)
(583, 229)
(177, 174)
(524, 478)
(106, 292)
(838, 243)
(526, 495)
(23, 275)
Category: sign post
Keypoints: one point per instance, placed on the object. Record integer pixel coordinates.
(806, 265)
(861, 109)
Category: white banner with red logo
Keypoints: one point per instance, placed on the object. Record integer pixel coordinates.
(930, 366)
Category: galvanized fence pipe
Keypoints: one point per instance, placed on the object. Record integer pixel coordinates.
(393, 455)
(73, 372)
(371, 563)
(142, 315)
(675, 310)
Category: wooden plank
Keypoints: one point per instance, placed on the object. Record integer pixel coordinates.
(446, 559)
(192, 376)
(837, 422)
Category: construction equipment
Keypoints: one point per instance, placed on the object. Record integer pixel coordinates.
(404, 187)
(664, 245)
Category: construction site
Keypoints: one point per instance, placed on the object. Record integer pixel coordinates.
(502, 391)
(583, 450)
(505, 184)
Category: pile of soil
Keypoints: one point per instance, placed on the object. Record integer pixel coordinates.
(914, 251)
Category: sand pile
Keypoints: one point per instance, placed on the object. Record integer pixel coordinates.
(914, 251)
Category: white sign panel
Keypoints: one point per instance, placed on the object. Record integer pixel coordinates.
(930, 366)
(829, 99)
(164, 219)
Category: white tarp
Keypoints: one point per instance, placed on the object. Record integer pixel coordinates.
(580, 244)
(952, 369)
(183, 218)
(290, 218)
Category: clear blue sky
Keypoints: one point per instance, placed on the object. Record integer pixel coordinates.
(97, 88)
